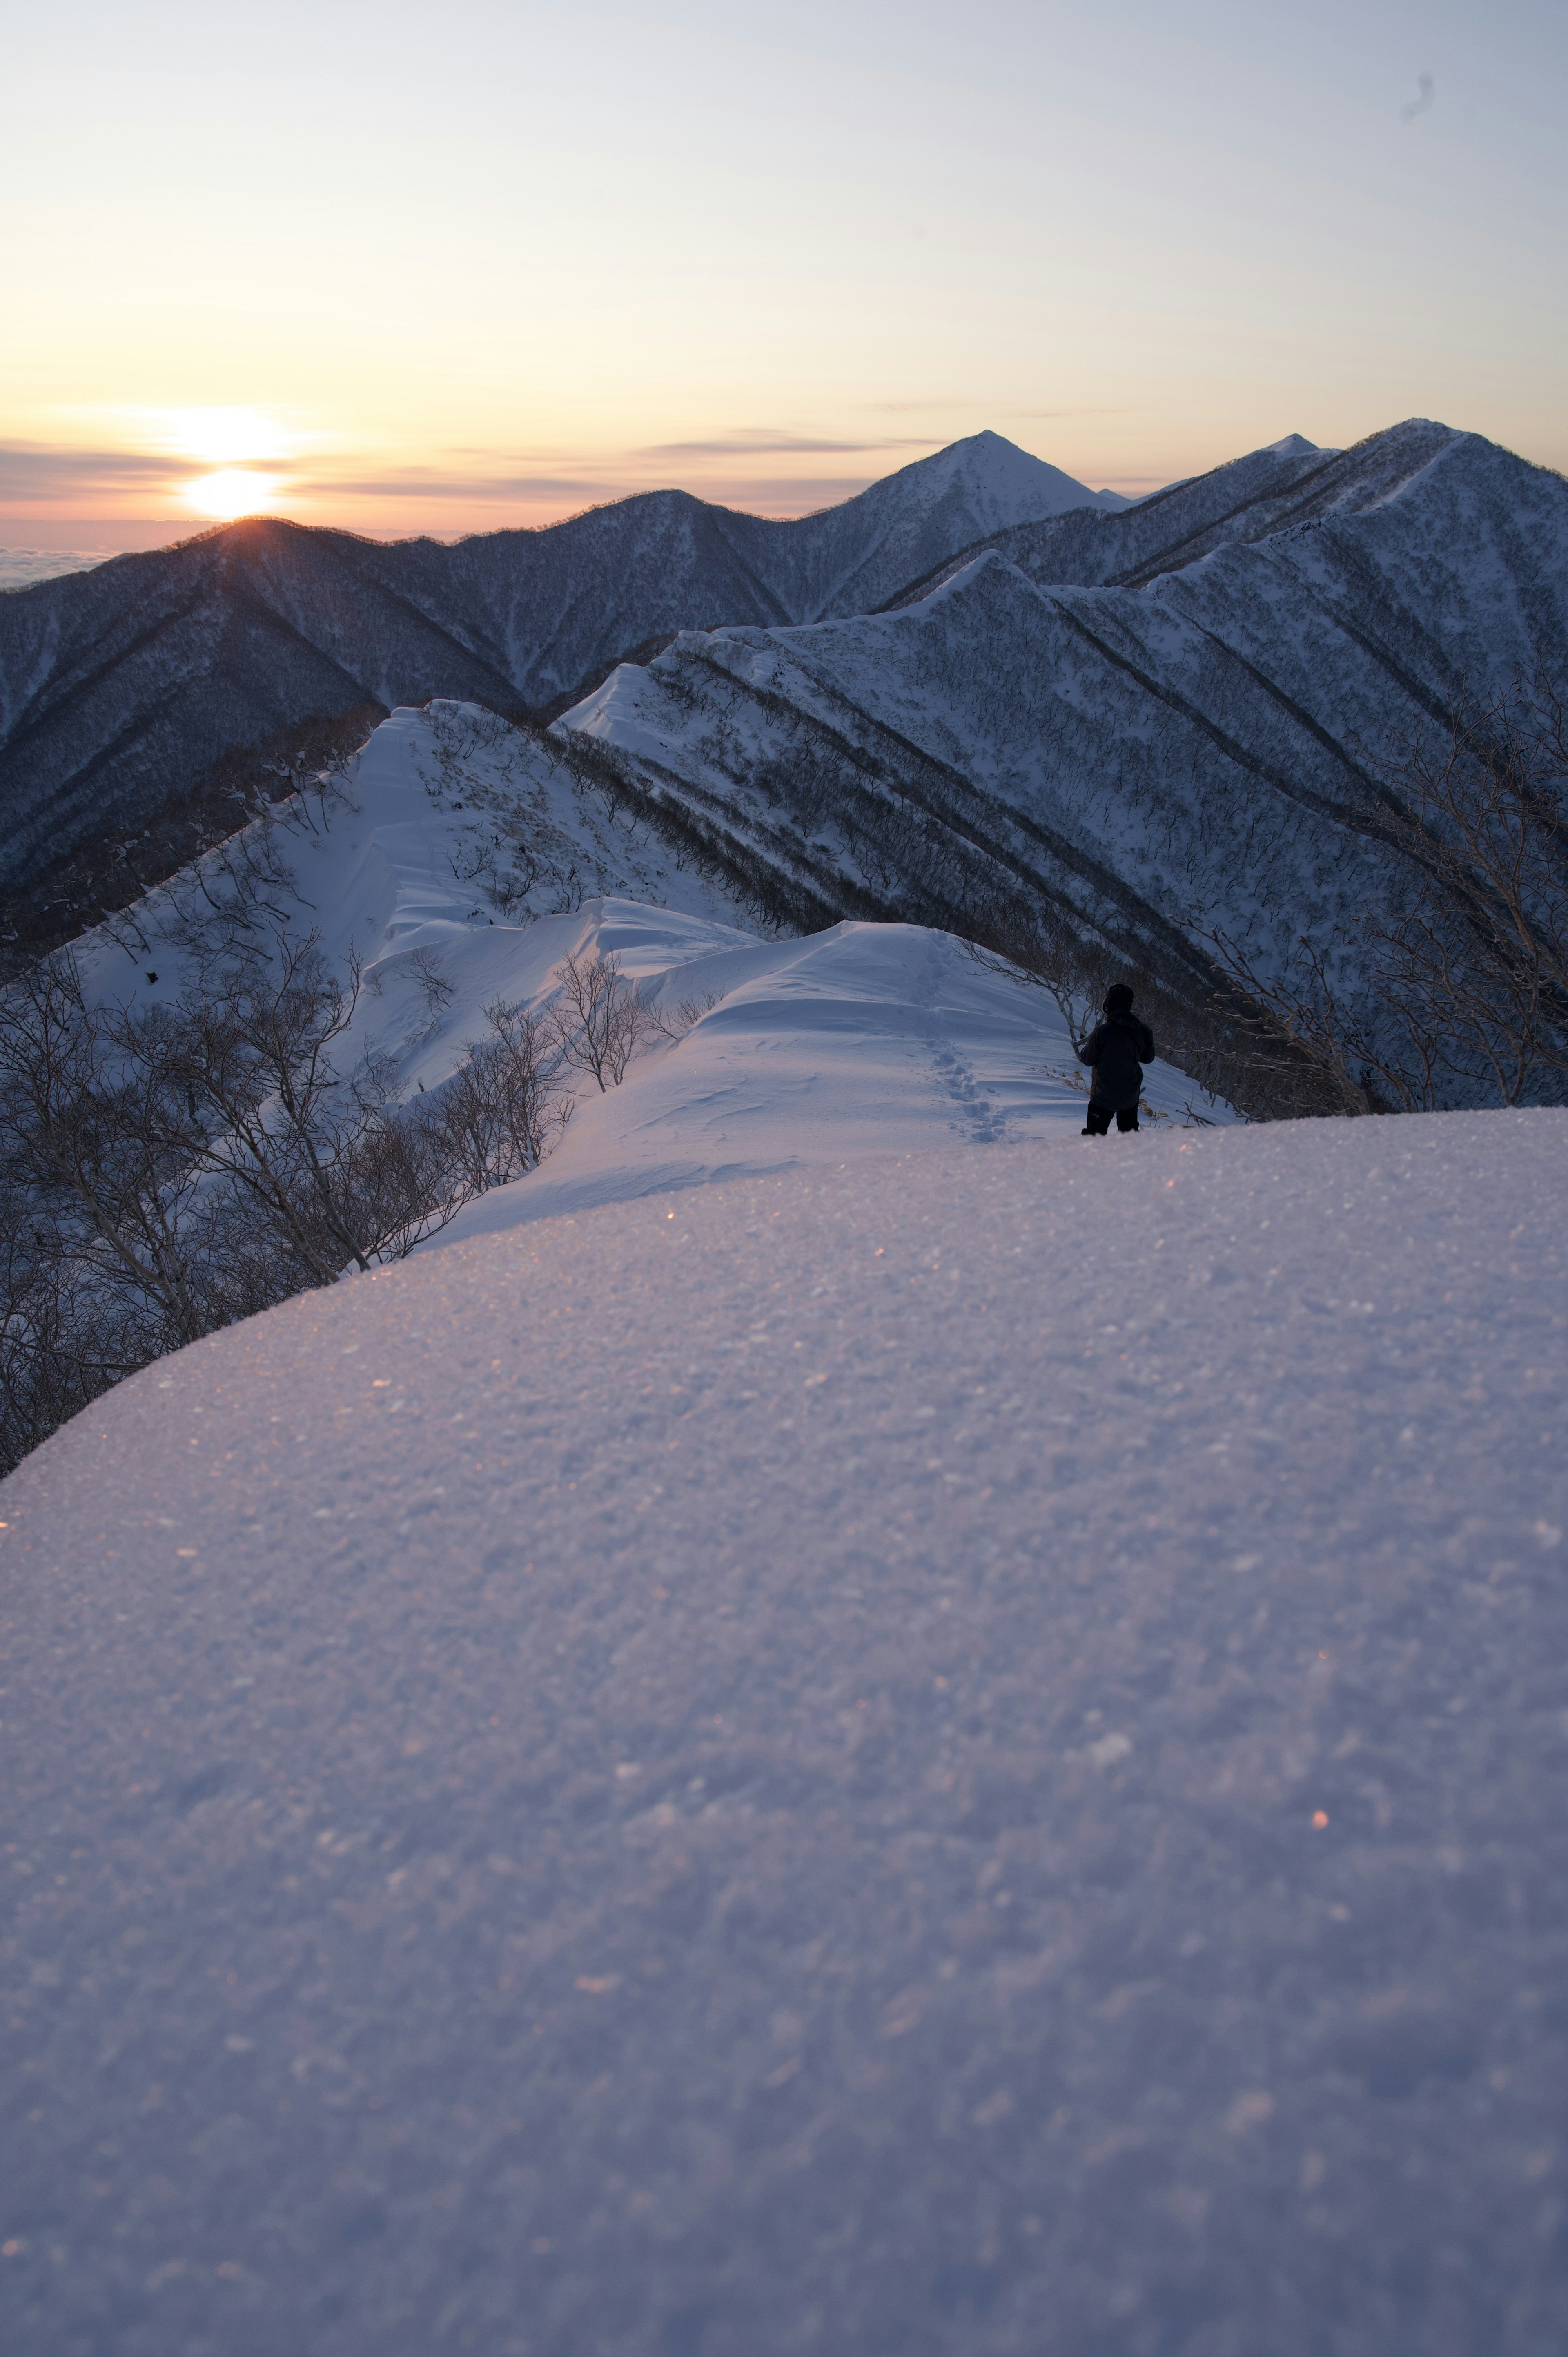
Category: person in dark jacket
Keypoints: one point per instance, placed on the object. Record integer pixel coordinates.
(1117, 1050)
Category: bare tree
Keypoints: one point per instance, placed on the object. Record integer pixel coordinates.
(89, 1154)
(501, 1111)
(324, 1157)
(1476, 965)
(49, 1367)
(673, 1023)
(115, 1246)
(433, 981)
(1295, 1027)
(598, 1022)
(163, 1172)
(1467, 974)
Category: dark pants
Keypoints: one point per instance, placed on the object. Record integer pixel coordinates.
(1099, 1120)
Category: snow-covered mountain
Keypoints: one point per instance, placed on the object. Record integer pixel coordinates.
(1289, 481)
(958, 1755)
(120, 687)
(841, 1721)
(458, 863)
(1159, 721)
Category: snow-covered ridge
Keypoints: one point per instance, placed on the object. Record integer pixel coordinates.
(1168, 721)
(461, 862)
(865, 1039)
(854, 1759)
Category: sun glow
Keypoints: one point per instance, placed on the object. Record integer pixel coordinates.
(223, 437)
(232, 491)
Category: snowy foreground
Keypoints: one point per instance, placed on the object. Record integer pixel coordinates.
(963, 1754)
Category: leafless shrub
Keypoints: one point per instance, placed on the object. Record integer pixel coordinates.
(503, 1110)
(433, 979)
(1475, 966)
(113, 1250)
(598, 1022)
(673, 1023)
(325, 1159)
(1299, 1028)
(46, 1371)
(164, 1171)
(1468, 1002)
(92, 1169)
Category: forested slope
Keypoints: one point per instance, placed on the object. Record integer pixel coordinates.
(1150, 754)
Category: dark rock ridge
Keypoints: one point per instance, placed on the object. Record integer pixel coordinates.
(120, 687)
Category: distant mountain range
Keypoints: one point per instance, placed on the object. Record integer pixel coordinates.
(969, 697)
(120, 687)
(1148, 723)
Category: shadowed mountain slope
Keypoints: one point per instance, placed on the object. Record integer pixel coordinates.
(1195, 748)
(120, 687)
(1290, 482)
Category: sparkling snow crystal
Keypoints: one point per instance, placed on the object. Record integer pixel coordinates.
(957, 1755)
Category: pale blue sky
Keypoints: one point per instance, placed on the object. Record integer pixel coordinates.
(480, 263)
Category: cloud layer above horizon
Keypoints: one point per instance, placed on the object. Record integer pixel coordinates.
(496, 263)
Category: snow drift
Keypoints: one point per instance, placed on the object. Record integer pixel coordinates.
(956, 1755)
(861, 1041)
(863, 1038)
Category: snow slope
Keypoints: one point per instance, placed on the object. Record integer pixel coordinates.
(957, 1756)
(863, 1038)
(1287, 482)
(452, 837)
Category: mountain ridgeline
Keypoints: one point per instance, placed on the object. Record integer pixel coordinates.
(975, 697)
(121, 687)
(1147, 728)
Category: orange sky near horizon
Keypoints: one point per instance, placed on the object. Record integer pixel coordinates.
(402, 270)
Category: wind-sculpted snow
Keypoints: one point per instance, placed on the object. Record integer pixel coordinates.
(1198, 751)
(462, 862)
(957, 1756)
(863, 1039)
(457, 859)
(118, 688)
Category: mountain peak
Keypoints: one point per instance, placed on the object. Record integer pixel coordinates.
(1003, 483)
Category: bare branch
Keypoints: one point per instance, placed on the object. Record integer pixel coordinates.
(598, 1022)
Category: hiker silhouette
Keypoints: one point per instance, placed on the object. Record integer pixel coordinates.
(1116, 1049)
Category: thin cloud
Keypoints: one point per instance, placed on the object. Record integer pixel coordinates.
(759, 442)
(939, 405)
(32, 470)
(800, 494)
(460, 487)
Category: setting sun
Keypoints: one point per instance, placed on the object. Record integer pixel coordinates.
(233, 491)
